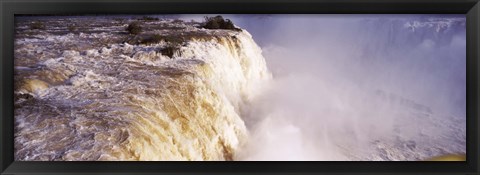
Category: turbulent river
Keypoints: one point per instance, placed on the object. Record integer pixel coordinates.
(92, 96)
(85, 89)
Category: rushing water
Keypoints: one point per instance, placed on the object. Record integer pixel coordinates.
(344, 87)
(87, 94)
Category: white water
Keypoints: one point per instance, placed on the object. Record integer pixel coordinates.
(343, 88)
(130, 102)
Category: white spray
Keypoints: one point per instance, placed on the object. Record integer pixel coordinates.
(359, 88)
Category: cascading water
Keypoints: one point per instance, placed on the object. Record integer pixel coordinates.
(366, 87)
(79, 97)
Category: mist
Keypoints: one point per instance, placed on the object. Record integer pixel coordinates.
(319, 87)
(357, 87)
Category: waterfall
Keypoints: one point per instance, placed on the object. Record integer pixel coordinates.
(130, 102)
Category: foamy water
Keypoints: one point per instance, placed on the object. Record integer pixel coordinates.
(371, 89)
(88, 96)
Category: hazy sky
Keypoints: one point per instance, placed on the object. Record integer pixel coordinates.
(381, 48)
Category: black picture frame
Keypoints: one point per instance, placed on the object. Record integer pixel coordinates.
(10, 8)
